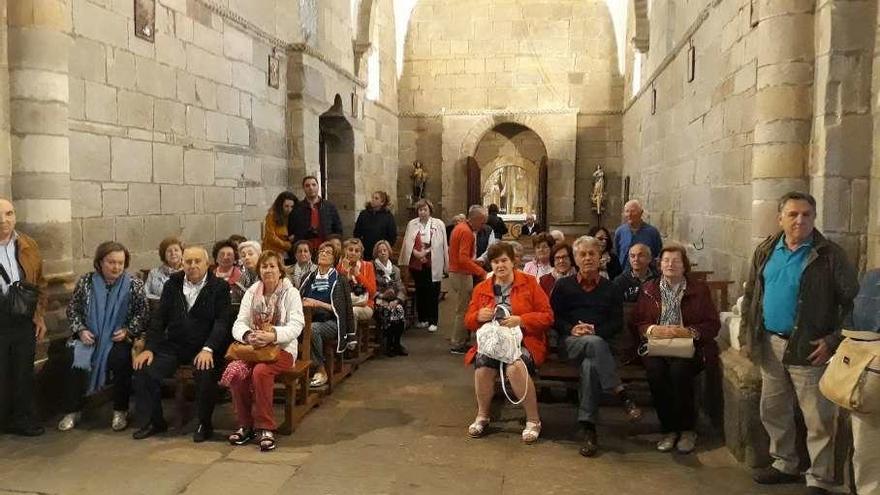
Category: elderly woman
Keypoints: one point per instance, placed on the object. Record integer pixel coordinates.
(609, 263)
(677, 306)
(390, 295)
(375, 223)
(271, 313)
(248, 254)
(329, 296)
(541, 265)
(107, 311)
(275, 235)
(225, 254)
(303, 264)
(528, 308)
(589, 316)
(425, 253)
(171, 255)
(361, 278)
(562, 261)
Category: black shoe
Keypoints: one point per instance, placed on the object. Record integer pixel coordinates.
(401, 350)
(773, 476)
(459, 349)
(149, 430)
(815, 490)
(591, 444)
(26, 431)
(202, 433)
(242, 436)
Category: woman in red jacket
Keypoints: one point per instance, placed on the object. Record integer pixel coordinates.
(676, 305)
(530, 310)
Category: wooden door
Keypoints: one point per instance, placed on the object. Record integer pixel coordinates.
(474, 187)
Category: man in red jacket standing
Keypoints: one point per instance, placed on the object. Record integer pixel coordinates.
(462, 268)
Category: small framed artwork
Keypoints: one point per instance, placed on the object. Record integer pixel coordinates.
(145, 19)
(274, 69)
(355, 105)
(691, 63)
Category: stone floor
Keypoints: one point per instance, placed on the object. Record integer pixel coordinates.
(397, 426)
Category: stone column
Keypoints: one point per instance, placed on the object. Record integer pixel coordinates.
(39, 44)
(783, 106)
(5, 157)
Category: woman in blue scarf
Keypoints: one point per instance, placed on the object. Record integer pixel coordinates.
(106, 313)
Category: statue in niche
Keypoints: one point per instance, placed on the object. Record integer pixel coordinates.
(419, 178)
(598, 196)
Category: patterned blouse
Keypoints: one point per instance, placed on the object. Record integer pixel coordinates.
(136, 320)
(156, 280)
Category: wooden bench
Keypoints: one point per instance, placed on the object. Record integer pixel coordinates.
(297, 397)
(720, 293)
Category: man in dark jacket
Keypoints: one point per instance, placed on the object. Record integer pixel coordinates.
(191, 326)
(630, 281)
(800, 287)
(313, 219)
(375, 223)
(497, 224)
(20, 261)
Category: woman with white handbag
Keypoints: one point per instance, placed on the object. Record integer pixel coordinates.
(678, 322)
(511, 315)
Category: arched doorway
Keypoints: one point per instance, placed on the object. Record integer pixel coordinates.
(336, 162)
(509, 169)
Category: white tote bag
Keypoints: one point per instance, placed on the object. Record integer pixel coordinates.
(501, 343)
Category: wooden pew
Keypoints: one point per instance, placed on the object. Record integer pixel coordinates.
(297, 397)
(720, 293)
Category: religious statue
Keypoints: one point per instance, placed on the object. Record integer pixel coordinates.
(419, 178)
(598, 196)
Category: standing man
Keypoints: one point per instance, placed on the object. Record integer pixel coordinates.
(462, 268)
(313, 219)
(190, 327)
(800, 288)
(496, 222)
(20, 260)
(633, 231)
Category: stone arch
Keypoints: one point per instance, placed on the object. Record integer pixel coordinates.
(362, 42)
(473, 137)
(641, 38)
(336, 161)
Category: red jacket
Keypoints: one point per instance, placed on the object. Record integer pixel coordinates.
(462, 244)
(528, 301)
(367, 278)
(697, 312)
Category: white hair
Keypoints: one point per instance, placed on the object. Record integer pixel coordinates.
(586, 241)
(251, 244)
(475, 210)
(557, 234)
(634, 202)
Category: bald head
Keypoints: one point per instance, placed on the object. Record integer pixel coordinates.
(632, 213)
(7, 220)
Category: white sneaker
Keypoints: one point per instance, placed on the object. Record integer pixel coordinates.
(432, 328)
(668, 442)
(68, 421)
(422, 324)
(120, 420)
(687, 443)
(319, 380)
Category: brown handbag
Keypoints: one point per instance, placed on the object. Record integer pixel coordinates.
(251, 354)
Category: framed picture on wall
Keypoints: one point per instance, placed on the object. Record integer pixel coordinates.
(145, 19)
(274, 69)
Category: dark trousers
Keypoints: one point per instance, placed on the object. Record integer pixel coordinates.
(17, 348)
(119, 374)
(427, 295)
(148, 381)
(672, 388)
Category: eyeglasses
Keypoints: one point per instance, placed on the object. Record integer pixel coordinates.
(560, 258)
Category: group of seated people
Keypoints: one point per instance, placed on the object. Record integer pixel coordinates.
(135, 333)
(567, 292)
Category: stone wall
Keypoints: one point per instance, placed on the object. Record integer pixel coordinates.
(472, 64)
(690, 157)
(873, 255)
(181, 136)
(5, 158)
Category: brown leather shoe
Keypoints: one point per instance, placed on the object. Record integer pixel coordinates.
(633, 412)
(591, 444)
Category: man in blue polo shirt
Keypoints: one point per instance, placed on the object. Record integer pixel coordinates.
(800, 287)
(635, 231)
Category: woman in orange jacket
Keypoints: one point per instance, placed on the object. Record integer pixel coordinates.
(275, 235)
(529, 309)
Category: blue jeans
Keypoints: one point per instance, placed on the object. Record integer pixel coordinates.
(598, 372)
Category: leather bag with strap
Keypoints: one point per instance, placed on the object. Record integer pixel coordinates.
(22, 297)
(852, 378)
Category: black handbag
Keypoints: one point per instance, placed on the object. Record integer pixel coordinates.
(21, 298)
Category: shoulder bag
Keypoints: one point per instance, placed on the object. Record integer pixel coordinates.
(501, 343)
(852, 378)
(22, 297)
